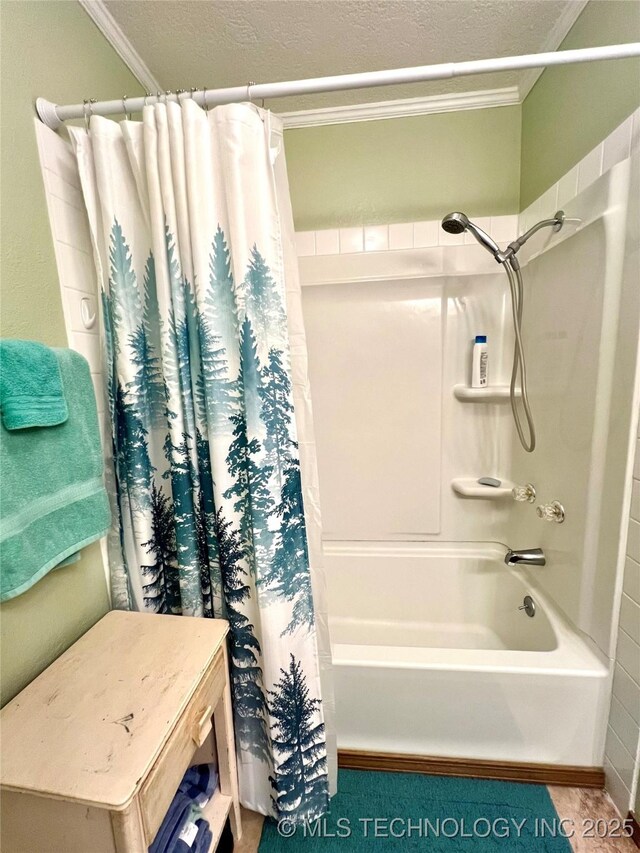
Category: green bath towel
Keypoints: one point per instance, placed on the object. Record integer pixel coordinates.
(31, 392)
(52, 498)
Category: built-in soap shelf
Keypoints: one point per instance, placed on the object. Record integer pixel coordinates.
(467, 487)
(488, 394)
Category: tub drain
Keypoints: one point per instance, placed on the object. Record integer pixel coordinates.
(529, 606)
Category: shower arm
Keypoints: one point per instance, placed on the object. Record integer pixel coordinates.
(510, 252)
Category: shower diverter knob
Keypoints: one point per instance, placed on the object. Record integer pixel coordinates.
(551, 512)
(524, 493)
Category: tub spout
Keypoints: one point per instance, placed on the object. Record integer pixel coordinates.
(527, 556)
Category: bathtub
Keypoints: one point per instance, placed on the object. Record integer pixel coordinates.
(432, 657)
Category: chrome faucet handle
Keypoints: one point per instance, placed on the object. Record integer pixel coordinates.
(524, 493)
(553, 511)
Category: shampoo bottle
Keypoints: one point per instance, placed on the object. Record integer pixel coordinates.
(480, 363)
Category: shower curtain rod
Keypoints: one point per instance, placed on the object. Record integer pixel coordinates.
(54, 115)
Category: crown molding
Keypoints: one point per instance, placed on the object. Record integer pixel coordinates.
(431, 104)
(567, 19)
(107, 25)
(403, 108)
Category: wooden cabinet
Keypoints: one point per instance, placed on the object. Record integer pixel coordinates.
(94, 749)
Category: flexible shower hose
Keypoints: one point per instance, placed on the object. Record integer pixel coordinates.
(519, 364)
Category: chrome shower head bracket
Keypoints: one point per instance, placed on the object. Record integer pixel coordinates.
(555, 224)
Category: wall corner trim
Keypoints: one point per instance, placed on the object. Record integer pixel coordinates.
(567, 19)
(107, 25)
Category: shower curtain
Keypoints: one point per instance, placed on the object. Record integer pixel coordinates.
(192, 232)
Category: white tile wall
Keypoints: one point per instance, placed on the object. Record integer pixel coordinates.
(306, 243)
(73, 251)
(632, 579)
(328, 242)
(503, 228)
(376, 238)
(633, 549)
(74, 260)
(568, 186)
(617, 145)
(615, 786)
(425, 234)
(622, 749)
(590, 167)
(397, 236)
(351, 240)
(627, 652)
(624, 725)
(620, 758)
(401, 236)
(627, 691)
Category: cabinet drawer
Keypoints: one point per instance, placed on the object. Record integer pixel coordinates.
(189, 733)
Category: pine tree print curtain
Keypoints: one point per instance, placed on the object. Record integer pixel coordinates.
(209, 517)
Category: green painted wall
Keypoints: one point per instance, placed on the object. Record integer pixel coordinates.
(51, 49)
(405, 169)
(573, 108)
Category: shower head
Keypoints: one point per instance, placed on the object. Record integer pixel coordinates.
(456, 223)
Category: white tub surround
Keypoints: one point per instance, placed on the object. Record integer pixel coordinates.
(389, 337)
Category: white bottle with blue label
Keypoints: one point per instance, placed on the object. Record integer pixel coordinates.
(480, 363)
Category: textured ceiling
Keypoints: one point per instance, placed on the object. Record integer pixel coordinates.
(218, 43)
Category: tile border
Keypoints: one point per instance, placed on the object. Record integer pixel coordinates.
(396, 236)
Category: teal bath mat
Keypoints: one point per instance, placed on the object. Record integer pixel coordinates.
(408, 811)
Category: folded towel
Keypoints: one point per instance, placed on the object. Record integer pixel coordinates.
(31, 392)
(184, 829)
(182, 811)
(203, 838)
(195, 837)
(53, 501)
(199, 783)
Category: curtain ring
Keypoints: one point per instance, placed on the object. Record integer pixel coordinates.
(204, 99)
(146, 95)
(249, 85)
(166, 95)
(124, 108)
(87, 109)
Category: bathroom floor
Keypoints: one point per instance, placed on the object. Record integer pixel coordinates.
(251, 832)
(576, 804)
(579, 804)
